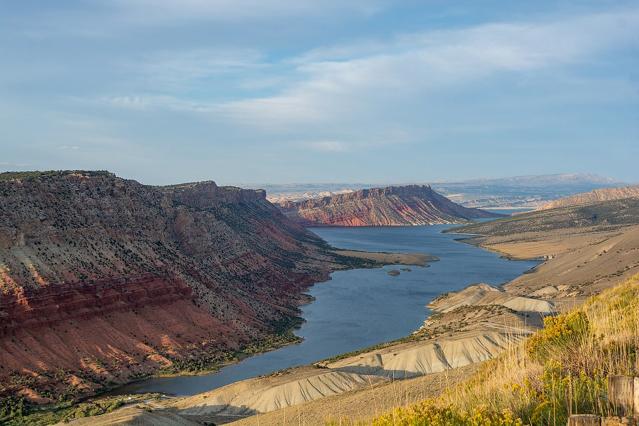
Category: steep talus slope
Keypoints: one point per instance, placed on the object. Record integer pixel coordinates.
(597, 195)
(390, 206)
(104, 279)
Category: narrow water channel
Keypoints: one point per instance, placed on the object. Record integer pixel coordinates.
(363, 307)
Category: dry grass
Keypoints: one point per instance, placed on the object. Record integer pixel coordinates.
(561, 370)
(361, 406)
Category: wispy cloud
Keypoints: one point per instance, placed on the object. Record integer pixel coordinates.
(326, 146)
(411, 65)
(171, 70)
(172, 11)
(367, 94)
(69, 147)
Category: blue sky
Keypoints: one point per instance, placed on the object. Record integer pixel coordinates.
(276, 91)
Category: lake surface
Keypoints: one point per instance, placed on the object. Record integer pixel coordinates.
(363, 307)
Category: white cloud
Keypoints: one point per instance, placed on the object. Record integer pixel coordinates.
(327, 146)
(357, 81)
(172, 70)
(171, 11)
(369, 93)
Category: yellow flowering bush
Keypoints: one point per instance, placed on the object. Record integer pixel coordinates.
(428, 414)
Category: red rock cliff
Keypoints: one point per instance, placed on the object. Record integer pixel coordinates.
(103, 279)
(390, 206)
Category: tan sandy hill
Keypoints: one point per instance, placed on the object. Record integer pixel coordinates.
(484, 294)
(595, 196)
(104, 279)
(390, 206)
(585, 248)
(457, 337)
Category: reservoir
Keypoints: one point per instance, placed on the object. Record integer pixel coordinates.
(363, 307)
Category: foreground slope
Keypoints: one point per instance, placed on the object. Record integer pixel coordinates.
(103, 279)
(561, 370)
(390, 206)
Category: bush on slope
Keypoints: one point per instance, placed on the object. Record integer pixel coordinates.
(560, 370)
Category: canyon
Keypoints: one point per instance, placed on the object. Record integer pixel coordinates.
(585, 250)
(389, 206)
(104, 280)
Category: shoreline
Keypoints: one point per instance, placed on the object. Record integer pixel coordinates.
(322, 365)
(378, 259)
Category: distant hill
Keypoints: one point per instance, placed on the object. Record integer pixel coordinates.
(509, 192)
(531, 181)
(623, 212)
(390, 206)
(595, 196)
(521, 191)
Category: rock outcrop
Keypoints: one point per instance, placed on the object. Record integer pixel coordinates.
(104, 279)
(390, 206)
(595, 196)
(484, 294)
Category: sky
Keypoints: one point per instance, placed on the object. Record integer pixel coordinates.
(277, 91)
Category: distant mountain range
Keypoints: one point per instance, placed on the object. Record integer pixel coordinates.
(510, 192)
(390, 206)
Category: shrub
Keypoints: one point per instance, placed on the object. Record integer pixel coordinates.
(429, 414)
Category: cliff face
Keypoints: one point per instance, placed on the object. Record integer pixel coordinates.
(390, 206)
(103, 279)
(595, 196)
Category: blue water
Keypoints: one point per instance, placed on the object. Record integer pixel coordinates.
(363, 307)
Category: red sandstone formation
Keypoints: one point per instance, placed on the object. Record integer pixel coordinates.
(390, 206)
(104, 279)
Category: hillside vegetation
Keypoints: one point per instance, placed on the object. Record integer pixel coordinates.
(611, 214)
(560, 370)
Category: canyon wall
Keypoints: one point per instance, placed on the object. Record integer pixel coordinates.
(390, 206)
(103, 279)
